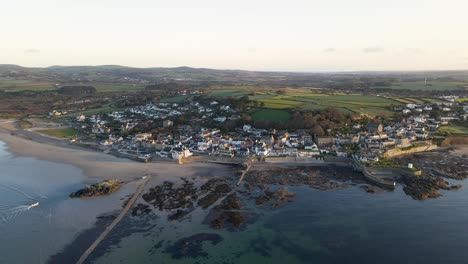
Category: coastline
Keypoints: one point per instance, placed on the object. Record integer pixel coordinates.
(96, 164)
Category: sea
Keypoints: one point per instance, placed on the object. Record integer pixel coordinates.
(336, 226)
(31, 234)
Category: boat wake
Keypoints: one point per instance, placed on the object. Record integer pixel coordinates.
(18, 205)
(24, 191)
(11, 213)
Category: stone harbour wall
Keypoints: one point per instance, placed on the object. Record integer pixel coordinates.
(397, 151)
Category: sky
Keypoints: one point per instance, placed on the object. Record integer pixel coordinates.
(265, 35)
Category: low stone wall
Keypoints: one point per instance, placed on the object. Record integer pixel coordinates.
(397, 151)
(293, 160)
(400, 171)
(329, 158)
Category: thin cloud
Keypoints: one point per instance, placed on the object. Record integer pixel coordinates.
(413, 50)
(329, 50)
(32, 51)
(374, 49)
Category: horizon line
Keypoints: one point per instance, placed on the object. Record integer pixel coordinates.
(233, 69)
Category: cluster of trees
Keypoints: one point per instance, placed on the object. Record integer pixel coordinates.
(318, 122)
(412, 92)
(26, 103)
(169, 86)
(239, 103)
(77, 90)
(134, 99)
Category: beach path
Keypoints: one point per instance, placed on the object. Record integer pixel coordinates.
(115, 222)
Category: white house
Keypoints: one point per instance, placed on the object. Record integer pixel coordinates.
(419, 119)
(80, 118)
(181, 154)
(220, 119)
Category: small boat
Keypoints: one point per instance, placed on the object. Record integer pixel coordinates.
(34, 204)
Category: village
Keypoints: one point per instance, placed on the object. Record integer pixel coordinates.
(216, 130)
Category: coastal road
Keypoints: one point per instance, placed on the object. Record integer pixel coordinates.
(115, 222)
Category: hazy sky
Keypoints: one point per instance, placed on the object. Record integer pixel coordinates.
(290, 35)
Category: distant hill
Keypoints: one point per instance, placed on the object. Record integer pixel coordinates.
(116, 74)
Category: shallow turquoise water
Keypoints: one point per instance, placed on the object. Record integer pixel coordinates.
(338, 226)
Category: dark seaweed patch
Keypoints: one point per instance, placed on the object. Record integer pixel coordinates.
(192, 246)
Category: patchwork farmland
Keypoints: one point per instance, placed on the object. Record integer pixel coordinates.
(353, 103)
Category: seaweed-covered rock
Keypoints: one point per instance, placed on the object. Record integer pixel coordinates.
(102, 188)
(192, 246)
(424, 187)
(141, 209)
(277, 197)
(178, 214)
(216, 189)
(227, 214)
(166, 197)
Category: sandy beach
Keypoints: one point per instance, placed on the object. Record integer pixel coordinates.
(100, 165)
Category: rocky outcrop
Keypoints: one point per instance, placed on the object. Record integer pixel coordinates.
(178, 214)
(424, 187)
(278, 197)
(372, 189)
(168, 197)
(215, 189)
(141, 209)
(442, 163)
(103, 188)
(321, 178)
(184, 199)
(227, 214)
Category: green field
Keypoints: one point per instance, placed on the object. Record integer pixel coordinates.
(454, 129)
(313, 107)
(104, 87)
(430, 100)
(432, 85)
(10, 80)
(27, 86)
(271, 115)
(262, 95)
(175, 99)
(226, 93)
(59, 132)
(107, 108)
(15, 85)
(279, 102)
(347, 103)
(462, 99)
